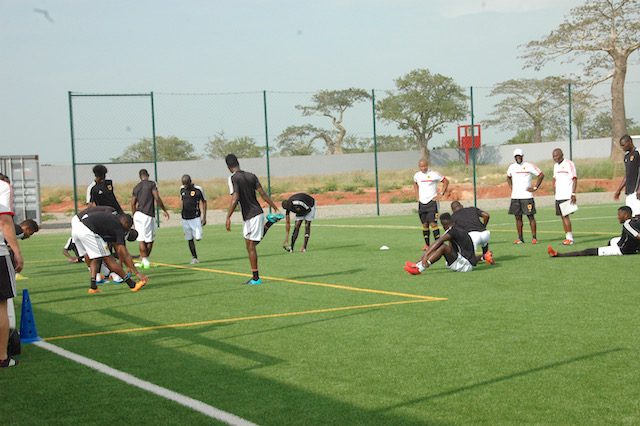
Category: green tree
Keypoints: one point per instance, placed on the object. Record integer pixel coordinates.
(333, 104)
(602, 34)
(395, 143)
(601, 127)
(298, 140)
(422, 104)
(244, 147)
(530, 103)
(167, 148)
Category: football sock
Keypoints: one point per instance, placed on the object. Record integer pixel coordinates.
(425, 235)
(485, 249)
(436, 233)
(256, 275)
(585, 252)
(520, 237)
(93, 283)
(569, 236)
(420, 266)
(192, 249)
(294, 236)
(266, 227)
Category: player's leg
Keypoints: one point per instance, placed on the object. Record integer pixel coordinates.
(426, 261)
(192, 248)
(424, 220)
(307, 234)
(253, 261)
(188, 231)
(114, 266)
(296, 232)
(533, 225)
(530, 210)
(519, 227)
(566, 225)
(585, 252)
(7, 291)
(4, 330)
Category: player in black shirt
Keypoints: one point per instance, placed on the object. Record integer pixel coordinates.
(469, 219)
(627, 243)
(92, 232)
(454, 244)
(102, 192)
(631, 180)
(242, 187)
(304, 207)
(194, 214)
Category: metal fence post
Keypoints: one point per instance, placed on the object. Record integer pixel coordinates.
(266, 137)
(570, 125)
(375, 149)
(73, 155)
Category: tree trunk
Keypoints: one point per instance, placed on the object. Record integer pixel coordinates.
(537, 132)
(618, 114)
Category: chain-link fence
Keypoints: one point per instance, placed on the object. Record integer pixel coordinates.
(340, 144)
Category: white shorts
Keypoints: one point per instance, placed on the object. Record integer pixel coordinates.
(192, 229)
(480, 239)
(253, 229)
(461, 264)
(612, 249)
(89, 242)
(145, 225)
(74, 224)
(309, 216)
(633, 202)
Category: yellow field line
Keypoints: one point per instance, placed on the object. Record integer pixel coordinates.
(287, 280)
(238, 319)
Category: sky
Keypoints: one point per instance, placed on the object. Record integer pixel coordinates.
(51, 47)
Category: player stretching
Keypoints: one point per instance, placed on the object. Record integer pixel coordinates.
(304, 207)
(242, 187)
(425, 186)
(631, 181)
(468, 218)
(455, 245)
(627, 243)
(194, 214)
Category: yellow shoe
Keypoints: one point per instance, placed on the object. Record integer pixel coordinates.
(139, 285)
(94, 290)
(20, 277)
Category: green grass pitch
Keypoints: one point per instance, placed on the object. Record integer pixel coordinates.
(529, 340)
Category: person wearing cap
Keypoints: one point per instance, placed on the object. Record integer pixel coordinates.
(565, 182)
(519, 176)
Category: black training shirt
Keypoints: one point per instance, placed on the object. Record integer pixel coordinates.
(628, 243)
(468, 218)
(463, 244)
(143, 192)
(102, 195)
(632, 168)
(245, 184)
(106, 225)
(191, 198)
(301, 203)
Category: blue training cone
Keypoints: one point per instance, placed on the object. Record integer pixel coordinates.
(28, 332)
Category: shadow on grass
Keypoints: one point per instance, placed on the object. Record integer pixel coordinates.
(501, 379)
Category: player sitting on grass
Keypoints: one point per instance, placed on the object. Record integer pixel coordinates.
(627, 243)
(454, 244)
(468, 218)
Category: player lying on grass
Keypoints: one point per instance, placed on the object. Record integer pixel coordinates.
(468, 218)
(454, 245)
(92, 232)
(627, 243)
(304, 207)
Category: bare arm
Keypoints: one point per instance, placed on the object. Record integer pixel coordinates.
(574, 189)
(134, 204)
(232, 207)
(445, 186)
(485, 217)
(287, 227)
(444, 237)
(509, 182)
(266, 198)
(616, 195)
(125, 257)
(9, 232)
(415, 191)
(156, 196)
(538, 182)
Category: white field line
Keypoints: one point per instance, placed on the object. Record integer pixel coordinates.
(191, 403)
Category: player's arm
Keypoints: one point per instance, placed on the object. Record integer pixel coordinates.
(416, 190)
(124, 256)
(445, 186)
(287, 226)
(616, 194)
(509, 181)
(266, 198)
(9, 232)
(134, 203)
(574, 188)
(484, 216)
(232, 207)
(156, 196)
(432, 248)
(538, 182)
(203, 208)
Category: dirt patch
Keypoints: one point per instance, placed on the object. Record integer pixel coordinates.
(368, 196)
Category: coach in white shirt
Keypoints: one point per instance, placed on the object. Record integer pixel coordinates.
(519, 179)
(565, 182)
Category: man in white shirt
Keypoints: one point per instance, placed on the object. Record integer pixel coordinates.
(519, 179)
(565, 182)
(425, 186)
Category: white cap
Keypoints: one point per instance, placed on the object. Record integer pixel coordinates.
(517, 151)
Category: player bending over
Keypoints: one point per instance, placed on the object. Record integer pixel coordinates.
(454, 244)
(304, 207)
(469, 219)
(627, 243)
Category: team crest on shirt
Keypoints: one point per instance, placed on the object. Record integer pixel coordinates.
(110, 187)
(631, 158)
(192, 193)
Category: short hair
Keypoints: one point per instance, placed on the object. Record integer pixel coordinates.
(132, 235)
(286, 204)
(143, 172)
(231, 160)
(31, 224)
(445, 217)
(126, 219)
(626, 209)
(625, 139)
(186, 180)
(456, 205)
(99, 171)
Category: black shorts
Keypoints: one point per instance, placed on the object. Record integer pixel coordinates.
(558, 202)
(522, 207)
(7, 278)
(428, 212)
